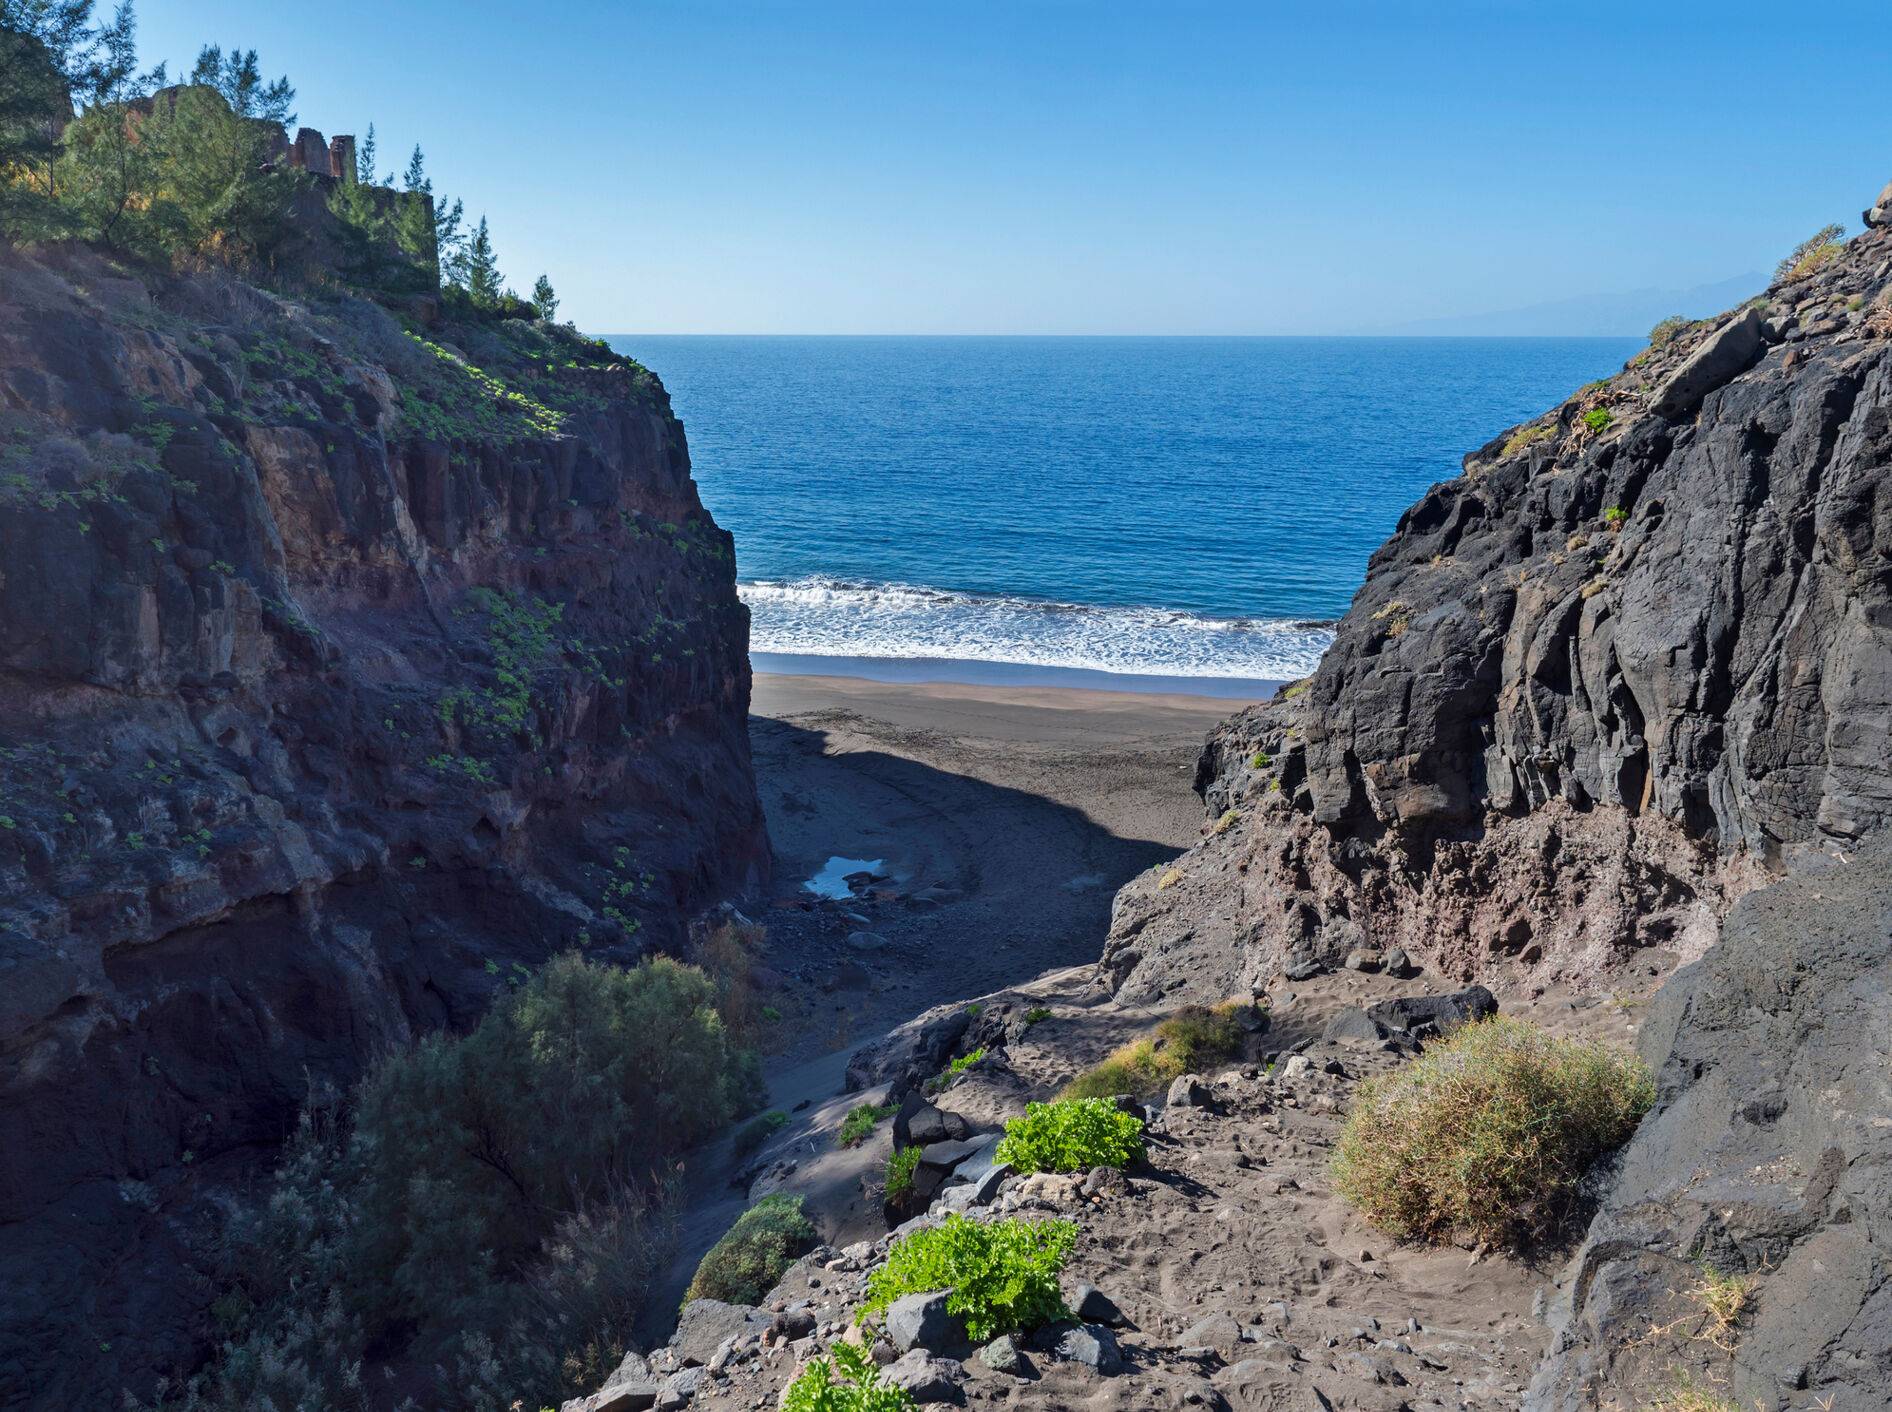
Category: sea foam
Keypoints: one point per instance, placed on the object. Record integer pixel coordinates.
(824, 616)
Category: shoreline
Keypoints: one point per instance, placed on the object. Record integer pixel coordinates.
(946, 671)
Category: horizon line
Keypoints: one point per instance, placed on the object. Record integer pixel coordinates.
(1406, 337)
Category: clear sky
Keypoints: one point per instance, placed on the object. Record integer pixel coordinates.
(1048, 166)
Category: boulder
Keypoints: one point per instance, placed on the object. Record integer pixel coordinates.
(705, 1323)
(1002, 1355)
(1092, 1345)
(919, 1123)
(1093, 1306)
(1880, 212)
(1724, 355)
(1434, 1014)
(926, 1379)
(922, 1321)
(1188, 1091)
(1399, 965)
(1354, 1024)
(679, 1388)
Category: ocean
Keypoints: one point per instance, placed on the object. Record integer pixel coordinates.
(1185, 512)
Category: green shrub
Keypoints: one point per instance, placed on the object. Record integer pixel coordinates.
(1598, 418)
(1037, 1015)
(1261, 760)
(1615, 517)
(498, 1209)
(860, 1122)
(1667, 330)
(1192, 1038)
(1003, 1274)
(745, 1264)
(900, 1167)
(758, 1130)
(1071, 1135)
(857, 1388)
(1487, 1134)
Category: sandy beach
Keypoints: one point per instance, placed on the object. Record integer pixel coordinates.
(1000, 820)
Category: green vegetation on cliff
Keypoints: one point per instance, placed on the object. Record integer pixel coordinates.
(493, 1203)
(198, 171)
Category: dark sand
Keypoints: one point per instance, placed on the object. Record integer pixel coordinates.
(1025, 808)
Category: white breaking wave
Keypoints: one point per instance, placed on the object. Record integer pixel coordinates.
(832, 617)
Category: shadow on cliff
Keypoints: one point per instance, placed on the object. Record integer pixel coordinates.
(1027, 882)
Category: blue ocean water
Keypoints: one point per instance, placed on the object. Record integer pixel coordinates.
(1183, 507)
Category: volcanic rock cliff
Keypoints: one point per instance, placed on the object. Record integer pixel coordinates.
(347, 667)
(1625, 668)
(1619, 697)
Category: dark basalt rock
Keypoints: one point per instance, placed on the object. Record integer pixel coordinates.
(1434, 1014)
(1767, 1156)
(270, 801)
(1619, 672)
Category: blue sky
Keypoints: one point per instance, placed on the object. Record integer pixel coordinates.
(1047, 166)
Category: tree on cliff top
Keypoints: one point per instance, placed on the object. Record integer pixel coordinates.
(33, 105)
(544, 300)
(483, 281)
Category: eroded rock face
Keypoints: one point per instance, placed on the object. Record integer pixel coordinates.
(337, 680)
(1622, 670)
(1765, 1160)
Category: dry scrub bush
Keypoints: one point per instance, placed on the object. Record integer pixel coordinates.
(1486, 1135)
(1189, 1039)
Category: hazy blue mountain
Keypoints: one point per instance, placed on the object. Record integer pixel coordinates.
(1631, 312)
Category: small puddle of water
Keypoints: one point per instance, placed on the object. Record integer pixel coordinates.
(828, 882)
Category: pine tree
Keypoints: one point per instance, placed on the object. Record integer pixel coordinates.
(364, 159)
(450, 241)
(483, 281)
(416, 177)
(544, 300)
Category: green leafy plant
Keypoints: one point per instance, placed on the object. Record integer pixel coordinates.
(744, 1265)
(1071, 1135)
(898, 1180)
(1487, 1134)
(860, 1122)
(1003, 1275)
(1192, 1038)
(1037, 1015)
(1615, 517)
(1597, 418)
(847, 1380)
(955, 1069)
(1261, 760)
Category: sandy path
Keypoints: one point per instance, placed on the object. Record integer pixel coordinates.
(1031, 806)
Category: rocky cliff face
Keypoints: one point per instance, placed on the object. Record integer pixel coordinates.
(1766, 1160)
(1627, 666)
(345, 669)
(1620, 696)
